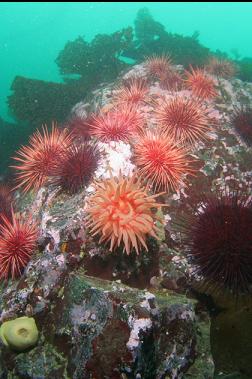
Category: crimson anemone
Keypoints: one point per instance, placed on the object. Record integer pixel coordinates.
(121, 212)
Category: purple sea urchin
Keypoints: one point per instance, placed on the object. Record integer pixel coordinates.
(241, 119)
(76, 168)
(219, 241)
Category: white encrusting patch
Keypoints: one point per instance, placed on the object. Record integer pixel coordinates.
(137, 325)
(116, 159)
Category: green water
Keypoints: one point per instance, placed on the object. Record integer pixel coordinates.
(32, 34)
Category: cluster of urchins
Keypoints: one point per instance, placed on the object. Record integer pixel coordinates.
(121, 210)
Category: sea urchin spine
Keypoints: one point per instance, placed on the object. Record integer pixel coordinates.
(184, 120)
(6, 202)
(222, 68)
(118, 124)
(80, 128)
(17, 243)
(37, 160)
(132, 92)
(201, 84)
(76, 168)
(160, 161)
(242, 121)
(219, 241)
(158, 65)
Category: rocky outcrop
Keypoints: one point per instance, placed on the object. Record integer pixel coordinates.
(93, 328)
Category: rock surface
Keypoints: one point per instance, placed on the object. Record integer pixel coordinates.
(92, 328)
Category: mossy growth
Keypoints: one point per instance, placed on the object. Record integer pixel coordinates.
(41, 362)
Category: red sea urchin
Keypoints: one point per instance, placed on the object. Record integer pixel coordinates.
(80, 128)
(158, 65)
(132, 92)
(171, 81)
(201, 84)
(37, 160)
(184, 120)
(17, 243)
(6, 201)
(122, 212)
(241, 119)
(76, 168)
(118, 124)
(160, 161)
(221, 68)
(219, 241)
